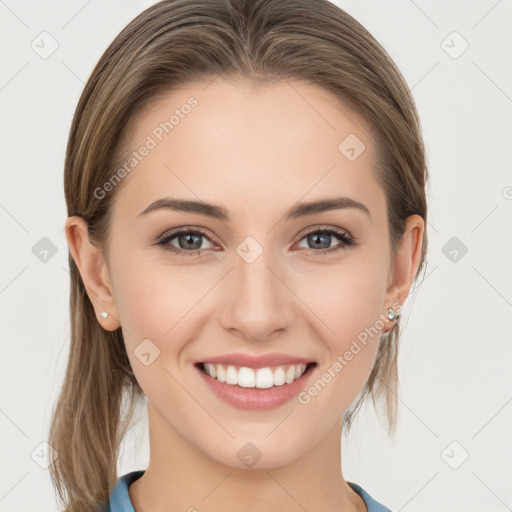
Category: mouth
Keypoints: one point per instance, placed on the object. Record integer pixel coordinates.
(252, 388)
(260, 378)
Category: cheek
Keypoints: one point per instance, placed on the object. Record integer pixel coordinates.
(158, 303)
(347, 303)
(152, 305)
(346, 299)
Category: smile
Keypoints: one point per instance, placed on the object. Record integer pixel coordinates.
(251, 388)
(262, 378)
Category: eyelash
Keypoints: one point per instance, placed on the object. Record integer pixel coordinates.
(347, 241)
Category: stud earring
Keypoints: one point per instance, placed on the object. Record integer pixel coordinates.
(104, 314)
(392, 315)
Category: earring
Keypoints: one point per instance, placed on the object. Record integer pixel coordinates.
(104, 314)
(392, 315)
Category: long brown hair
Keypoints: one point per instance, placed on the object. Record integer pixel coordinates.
(175, 43)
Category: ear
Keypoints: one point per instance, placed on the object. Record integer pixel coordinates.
(405, 265)
(94, 271)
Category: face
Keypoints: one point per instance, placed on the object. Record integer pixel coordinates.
(256, 281)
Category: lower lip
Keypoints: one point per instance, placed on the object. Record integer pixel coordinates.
(256, 398)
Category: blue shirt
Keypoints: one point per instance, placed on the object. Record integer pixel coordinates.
(120, 498)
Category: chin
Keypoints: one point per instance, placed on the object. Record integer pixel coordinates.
(257, 452)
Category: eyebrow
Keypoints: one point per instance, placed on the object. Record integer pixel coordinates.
(221, 213)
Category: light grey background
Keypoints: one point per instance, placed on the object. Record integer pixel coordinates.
(456, 391)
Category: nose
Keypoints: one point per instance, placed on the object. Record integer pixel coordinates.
(259, 303)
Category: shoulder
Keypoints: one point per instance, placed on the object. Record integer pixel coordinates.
(372, 504)
(119, 496)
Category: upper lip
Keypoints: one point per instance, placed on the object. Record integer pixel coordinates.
(250, 361)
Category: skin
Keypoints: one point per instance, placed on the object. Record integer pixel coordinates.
(257, 152)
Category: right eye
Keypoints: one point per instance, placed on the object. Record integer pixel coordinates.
(188, 241)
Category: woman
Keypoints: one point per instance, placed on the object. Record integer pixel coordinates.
(245, 184)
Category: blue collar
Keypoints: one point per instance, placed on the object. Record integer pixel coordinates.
(120, 498)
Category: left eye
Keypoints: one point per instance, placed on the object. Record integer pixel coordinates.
(324, 235)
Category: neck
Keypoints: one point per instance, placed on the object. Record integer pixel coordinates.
(181, 478)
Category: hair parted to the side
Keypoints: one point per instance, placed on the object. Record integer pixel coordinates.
(171, 44)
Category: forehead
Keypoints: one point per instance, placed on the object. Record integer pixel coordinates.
(240, 145)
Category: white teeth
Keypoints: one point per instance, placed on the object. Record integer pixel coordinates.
(210, 368)
(290, 375)
(246, 377)
(262, 378)
(231, 375)
(279, 377)
(221, 374)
